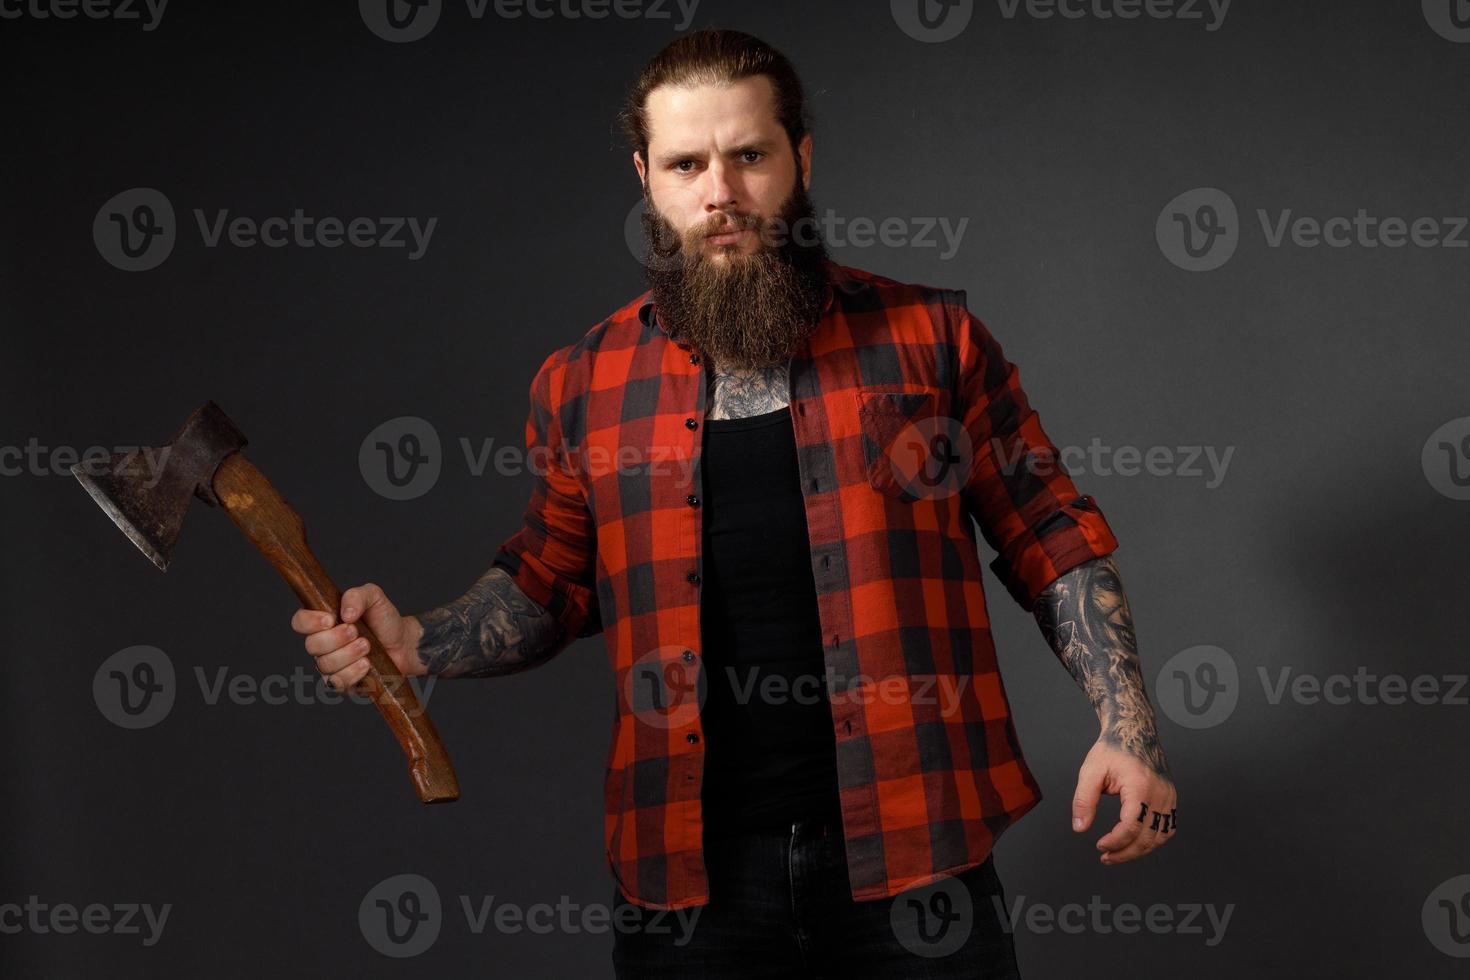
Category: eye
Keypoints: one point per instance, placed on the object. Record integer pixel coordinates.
(757, 154)
(679, 167)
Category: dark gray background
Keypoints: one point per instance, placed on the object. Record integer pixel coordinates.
(1325, 548)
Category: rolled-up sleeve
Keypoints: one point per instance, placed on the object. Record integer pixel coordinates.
(552, 557)
(1017, 490)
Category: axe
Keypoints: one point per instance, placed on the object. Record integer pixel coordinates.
(203, 460)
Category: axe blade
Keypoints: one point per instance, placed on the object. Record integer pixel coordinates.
(146, 492)
(152, 522)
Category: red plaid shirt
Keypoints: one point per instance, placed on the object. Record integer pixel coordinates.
(911, 429)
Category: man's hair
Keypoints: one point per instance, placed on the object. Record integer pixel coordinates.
(716, 58)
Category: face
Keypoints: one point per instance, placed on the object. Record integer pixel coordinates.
(720, 165)
(740, 273)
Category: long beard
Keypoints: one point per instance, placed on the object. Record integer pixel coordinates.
(743, 311)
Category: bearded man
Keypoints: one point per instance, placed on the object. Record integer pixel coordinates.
(813, 753)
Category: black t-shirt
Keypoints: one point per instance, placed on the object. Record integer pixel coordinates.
(770, 750)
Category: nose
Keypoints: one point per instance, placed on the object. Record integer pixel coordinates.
(720, 188)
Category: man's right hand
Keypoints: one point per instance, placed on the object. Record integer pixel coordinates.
(340, 649)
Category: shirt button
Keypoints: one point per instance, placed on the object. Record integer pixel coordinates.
(692, 577)
(693, 358)
(692, 500)
(688, 656)
(690, 424)
(691, 738)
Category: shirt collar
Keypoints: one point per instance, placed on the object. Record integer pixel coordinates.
(838, 277)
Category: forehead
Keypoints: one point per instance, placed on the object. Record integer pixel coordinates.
(731, 111)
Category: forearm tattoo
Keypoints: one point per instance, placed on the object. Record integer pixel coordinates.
(1084, 615)
(739, 393)
(492, 629)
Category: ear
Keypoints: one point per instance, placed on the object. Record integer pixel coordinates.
(639, 165)
(804, 152)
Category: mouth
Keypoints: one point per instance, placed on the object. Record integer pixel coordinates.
(727, 237)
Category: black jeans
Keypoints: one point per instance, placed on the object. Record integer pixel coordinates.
(780, 906)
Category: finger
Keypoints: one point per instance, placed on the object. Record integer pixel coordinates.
(348, 676)
(358, 599)
(349, 655)
(311, 621)
(1084, 800)
(1148, 839)
(328, 640)
(1129, 825)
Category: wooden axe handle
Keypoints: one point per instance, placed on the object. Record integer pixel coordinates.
(278, 531)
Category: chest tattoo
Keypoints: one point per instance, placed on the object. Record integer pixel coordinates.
(738, 393)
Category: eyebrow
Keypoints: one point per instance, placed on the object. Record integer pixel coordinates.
(670, 157)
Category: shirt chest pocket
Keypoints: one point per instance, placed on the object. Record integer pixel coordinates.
(912, 448)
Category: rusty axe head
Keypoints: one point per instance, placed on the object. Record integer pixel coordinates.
(148, 502)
